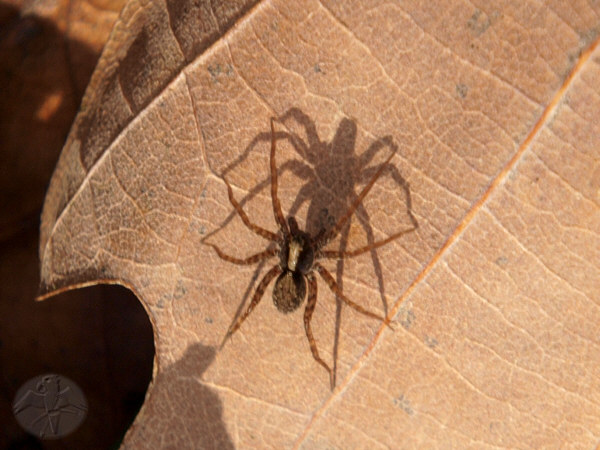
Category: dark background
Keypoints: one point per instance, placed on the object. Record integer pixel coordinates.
(99, 337)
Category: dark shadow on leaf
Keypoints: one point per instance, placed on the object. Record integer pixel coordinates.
(194, 408)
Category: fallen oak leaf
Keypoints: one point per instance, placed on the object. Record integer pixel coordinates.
(487, 343)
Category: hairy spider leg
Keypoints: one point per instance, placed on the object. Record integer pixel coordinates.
(260, 256)
(276, 204)
(308, 312)
(256, 298)
(326, 237)
(332, 254)
(328, 278)
(341, 254)
(405, 186)
(255, 228)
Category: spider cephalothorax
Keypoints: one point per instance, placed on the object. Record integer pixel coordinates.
(299, 255)
(296, 256)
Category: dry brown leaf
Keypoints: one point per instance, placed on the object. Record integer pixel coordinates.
(495, 112)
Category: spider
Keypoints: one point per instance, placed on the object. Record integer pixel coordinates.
(335, 161)
(299, 254)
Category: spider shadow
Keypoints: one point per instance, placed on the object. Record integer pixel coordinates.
(331, 173)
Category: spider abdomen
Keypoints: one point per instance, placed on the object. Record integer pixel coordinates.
(289, 291)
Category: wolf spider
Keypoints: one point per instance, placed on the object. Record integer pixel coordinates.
(299, 254)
